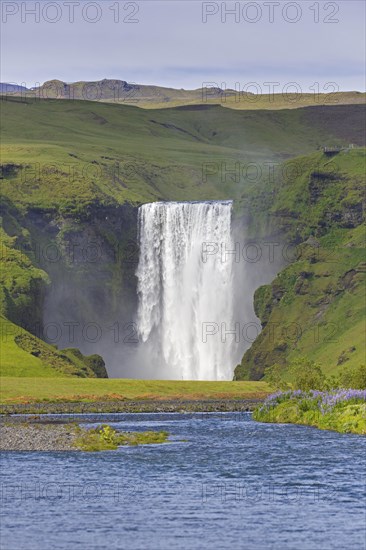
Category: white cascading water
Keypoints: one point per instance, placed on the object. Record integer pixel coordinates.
(181, 289)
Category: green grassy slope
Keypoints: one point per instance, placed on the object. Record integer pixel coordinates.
(67, 154)
(315, 306)
(24, 355)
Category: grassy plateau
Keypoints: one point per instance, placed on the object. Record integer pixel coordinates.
(65, 155)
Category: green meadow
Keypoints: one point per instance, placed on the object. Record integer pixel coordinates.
(41, 389)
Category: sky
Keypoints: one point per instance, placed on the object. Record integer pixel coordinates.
(257, 46)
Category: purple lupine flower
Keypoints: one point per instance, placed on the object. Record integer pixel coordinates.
(325, 401)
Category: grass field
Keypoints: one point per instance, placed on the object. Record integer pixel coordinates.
(32, 390)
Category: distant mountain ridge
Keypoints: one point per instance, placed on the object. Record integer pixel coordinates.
(11, 88)
(117, 90)
(151, 96)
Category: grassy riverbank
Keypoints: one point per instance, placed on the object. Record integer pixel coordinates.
(90, 390)
(339, 410)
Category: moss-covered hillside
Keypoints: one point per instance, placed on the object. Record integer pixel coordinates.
(315, 306)
(22, 287)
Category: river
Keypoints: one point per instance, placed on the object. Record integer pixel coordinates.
(223, 482)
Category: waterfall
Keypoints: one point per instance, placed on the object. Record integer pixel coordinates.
(185, 289)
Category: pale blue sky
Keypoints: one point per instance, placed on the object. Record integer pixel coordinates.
(170, 45)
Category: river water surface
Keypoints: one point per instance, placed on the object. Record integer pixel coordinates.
(223, 482)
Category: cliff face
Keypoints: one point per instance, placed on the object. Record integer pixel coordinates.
(314, 307)
(92, 295)
(94, 253)
(65, 277)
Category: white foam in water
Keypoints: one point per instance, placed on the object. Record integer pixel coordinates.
(179, 292)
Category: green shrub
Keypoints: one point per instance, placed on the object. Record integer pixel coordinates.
(307, 375)
(274, 378)
(353, 377)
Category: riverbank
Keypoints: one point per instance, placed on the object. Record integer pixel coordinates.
(30, 437)
(142, 406)
(53, 437)
(342, 411)
(29, 427)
